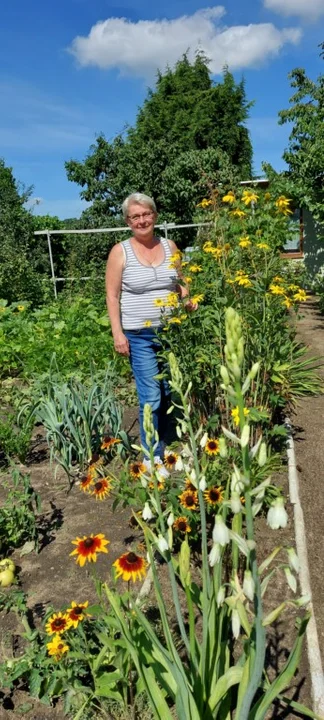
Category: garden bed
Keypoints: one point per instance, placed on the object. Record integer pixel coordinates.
(52, 578)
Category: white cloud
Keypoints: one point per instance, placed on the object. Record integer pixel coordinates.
(141, 47)
(306, 9)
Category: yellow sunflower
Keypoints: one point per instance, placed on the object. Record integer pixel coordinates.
(189, 499)
(58, 623)
(130, 566)
(88, 547)
(77, 612)
(57, 647)
(181, 525)
(214, 495)
(136, 469)
(170, 460)
(212, 446)
(101, 488)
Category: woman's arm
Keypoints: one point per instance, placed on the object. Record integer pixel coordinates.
(114, 271)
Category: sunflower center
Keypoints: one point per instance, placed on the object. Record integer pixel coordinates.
(88, 542)
(136, 468)
(132, 558)
(60, 646)
(58, 624)
(212, 445)
(182, 525)
(190, 499)
(171, 459)
(77, 611)
(98, 485)
(214, 494)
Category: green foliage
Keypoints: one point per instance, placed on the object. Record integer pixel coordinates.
(237, 262)
(73, 333)
(18, 512)
(14, 442)
(186, 113)
(305, 154)
(19, 277)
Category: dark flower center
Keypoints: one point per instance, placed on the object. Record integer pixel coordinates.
(88, 542)
(60, 646)
(171, 459)
(136, 468)
(182, 526)
(132, 558)
(77, 611)
(214, 494)
(58, 624)
(212, 445)
(190, 499)
(98, 485)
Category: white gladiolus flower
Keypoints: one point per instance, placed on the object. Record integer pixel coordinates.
(170, 520)
(277, 516)
(248, 585)
(254, 370)
(236, 505)
(293, 559)
(237, 484)
(214, 555)
(179, 464)
(220, 531)
(202, 483)
(162, 544)
(203, 440)
(220, 596)
(236, 623)
(147, 512)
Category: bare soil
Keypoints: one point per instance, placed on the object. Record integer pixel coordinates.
(52, 578)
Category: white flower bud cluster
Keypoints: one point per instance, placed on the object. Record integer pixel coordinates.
(234, 348)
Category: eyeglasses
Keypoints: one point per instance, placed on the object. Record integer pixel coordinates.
(145, 215)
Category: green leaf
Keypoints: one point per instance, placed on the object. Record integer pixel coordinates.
(233, 676)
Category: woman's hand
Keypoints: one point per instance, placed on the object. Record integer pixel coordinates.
(189, 305)
(121, 344)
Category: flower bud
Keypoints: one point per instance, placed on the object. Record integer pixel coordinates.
(220, 532)
(293, 559)
(236, 505)
(254, 370)
(214, 555)
(248, 585)
(220, 596)
(170, 520)
(222, 447)
(202, 483)
(262, 457)
(236, 623)
(245, 435)
(224, 375)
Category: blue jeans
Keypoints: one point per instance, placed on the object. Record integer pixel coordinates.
(144, 346)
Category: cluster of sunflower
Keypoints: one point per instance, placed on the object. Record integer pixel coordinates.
(177, 490)
(59, 623)
(95, 482)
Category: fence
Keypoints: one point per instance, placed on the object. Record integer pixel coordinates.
(164, 226)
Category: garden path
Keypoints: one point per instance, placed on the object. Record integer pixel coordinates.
(308, 421)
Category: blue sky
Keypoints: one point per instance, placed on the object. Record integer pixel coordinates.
(73, 68)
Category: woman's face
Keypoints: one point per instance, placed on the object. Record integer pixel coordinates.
(141, 219)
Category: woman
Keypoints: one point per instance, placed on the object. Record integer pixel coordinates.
(138, 276)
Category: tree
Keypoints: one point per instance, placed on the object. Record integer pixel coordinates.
(305, 154)
(186, 112)
(19, 276)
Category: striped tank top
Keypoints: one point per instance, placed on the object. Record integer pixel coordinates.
(141, 285)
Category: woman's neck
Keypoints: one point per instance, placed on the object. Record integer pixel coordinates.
(148, 242)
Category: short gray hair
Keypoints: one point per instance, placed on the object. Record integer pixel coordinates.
(139, 198)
